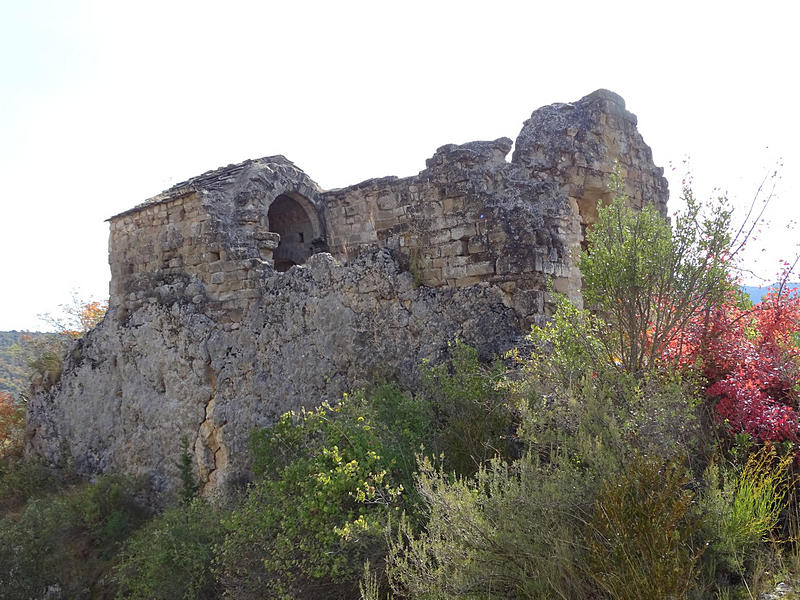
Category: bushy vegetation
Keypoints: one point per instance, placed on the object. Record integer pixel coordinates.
(171, 556)
(36, 357)
(326, 482)
(13, 378)
(472, 418)
(641, 535)
(742, 506)
(12, 426)
(64, 544)
(643, 447)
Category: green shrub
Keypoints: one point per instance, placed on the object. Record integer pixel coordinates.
(12, 429)
(327, 479)
(403, 424)
(740, 509)
(640, 536)
(508, 532)
(518, 529)
(190, 487)
(67, 541)
(571, 397)
(44, 358)
(171, 556)
(567, 346)
(25, 479)
(474, 419)
(369, 588)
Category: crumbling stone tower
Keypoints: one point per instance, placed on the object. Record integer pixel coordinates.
(248, 290)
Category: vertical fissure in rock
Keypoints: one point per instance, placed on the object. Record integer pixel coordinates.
(209, 451)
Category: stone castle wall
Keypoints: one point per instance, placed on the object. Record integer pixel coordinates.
(207, 240)
(212, 331)
(472, 216)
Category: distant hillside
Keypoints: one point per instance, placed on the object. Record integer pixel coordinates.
(12, 363)
(757, 293)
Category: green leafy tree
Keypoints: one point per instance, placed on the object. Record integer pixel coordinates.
(646, 280)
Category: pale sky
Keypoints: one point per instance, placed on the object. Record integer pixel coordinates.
(104, 104)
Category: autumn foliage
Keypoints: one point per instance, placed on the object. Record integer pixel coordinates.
(12, 426)
(77, 318)
(751, 361)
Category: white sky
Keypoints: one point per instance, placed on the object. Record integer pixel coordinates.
(104, 104)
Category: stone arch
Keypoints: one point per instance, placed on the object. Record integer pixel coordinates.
(293, 217)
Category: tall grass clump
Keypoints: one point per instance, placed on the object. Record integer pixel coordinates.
(742, 508)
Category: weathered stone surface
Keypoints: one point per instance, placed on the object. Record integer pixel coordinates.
(132, 390)
(212, 330)
(782, 590)
(527, 216)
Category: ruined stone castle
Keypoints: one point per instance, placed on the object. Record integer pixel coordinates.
(248, 291)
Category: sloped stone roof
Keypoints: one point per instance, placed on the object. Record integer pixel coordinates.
(215, 179)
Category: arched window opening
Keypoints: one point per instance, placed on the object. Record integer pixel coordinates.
(283, 264)
(288, 218)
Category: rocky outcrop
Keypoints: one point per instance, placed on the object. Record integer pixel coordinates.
(132, 391)
(248, 291)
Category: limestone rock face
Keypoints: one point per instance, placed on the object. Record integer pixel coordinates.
(131, 392)
(248, 291)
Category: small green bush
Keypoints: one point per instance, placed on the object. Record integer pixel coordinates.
(474, 419)
(507, 532)
(189, 484)
(44, 358)
(25, 479)
(68, 541)
(171, 556)
(566, 347)
(369, 588)
(327, 479)
(740, 508)
(12, 429)
(640, 538)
